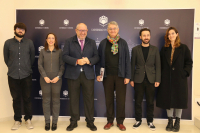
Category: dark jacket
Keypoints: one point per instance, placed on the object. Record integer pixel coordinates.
(51, 62)
(151, 67)
(173, 90)
(72, 52)
(124, 59)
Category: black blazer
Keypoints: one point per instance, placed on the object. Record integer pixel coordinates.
(151, 66)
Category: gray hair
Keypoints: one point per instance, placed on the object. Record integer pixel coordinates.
(114, 23)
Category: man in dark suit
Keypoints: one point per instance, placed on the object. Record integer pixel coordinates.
(145, 76)
(80, 54)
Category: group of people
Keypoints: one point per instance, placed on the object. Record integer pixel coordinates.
(147, 69)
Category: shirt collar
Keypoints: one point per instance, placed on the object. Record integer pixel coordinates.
(80, 39)
(17, 40)
(52, 51)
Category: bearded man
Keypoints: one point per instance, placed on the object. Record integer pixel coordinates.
(145, 76)
(19, 56)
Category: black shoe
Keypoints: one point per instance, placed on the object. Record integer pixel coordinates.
(91, 126)
(53, 127)
(137, 124)
(151, 126)
(47, 126)
(71, 126)
(176, 125)
(170, 124)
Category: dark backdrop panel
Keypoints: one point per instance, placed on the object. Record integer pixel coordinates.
(130, 22)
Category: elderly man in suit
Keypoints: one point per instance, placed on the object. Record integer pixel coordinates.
(80, 54)
(146, 75)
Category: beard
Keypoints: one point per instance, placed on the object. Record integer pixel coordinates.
(146, 42)
(20, 36)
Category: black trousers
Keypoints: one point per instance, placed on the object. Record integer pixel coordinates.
(111, 83)
(88, 97)
(148, 89)
(21, 88)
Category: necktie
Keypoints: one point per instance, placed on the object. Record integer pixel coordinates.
(81, 45)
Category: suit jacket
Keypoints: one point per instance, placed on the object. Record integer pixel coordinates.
(72, 52)
(151, 67)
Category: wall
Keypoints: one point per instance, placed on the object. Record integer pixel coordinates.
(7, 21)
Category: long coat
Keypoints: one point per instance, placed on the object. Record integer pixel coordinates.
(173, 90)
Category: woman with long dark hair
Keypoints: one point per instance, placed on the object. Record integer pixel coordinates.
(51, 68)
(176, 66)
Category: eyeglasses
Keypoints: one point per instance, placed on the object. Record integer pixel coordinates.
(112, 28)
(82, 30)
(20, 29)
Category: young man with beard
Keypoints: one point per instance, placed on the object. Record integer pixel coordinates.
(19, 56)
(145, 76)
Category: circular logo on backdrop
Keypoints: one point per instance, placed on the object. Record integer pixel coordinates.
(167, 22)
(65, 93)
(103, 20)
(141, 22)
(40, 92)
(40, 48)
(41, 22)
(66, 22)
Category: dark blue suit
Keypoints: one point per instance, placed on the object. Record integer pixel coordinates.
(72, 52)
(76, 78)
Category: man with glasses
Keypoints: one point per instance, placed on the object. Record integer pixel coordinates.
(114, 58)
(19, 56)
(80, 54)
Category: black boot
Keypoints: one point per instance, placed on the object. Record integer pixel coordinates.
(176, 125)
(170, 124)
(53, 127)
(47, 126)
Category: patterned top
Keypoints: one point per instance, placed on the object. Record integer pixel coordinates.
(172, 54)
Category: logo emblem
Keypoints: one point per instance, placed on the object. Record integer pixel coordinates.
(41, 22)
(40, 48)
(141, 22)
(167, 22)
(65, 93)
(103, 20)
(40, 92)
(66, 22)
(114, 94)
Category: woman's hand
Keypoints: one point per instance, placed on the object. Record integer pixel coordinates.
(47, 80)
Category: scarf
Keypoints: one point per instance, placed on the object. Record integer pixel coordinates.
(114, 48)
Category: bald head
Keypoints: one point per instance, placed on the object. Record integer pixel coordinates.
(81, 25)
(81, 31)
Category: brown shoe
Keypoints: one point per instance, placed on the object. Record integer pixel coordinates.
(121, 127)
(108, 126)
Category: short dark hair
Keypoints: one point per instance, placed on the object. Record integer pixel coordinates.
(144, 29)
(20, 25)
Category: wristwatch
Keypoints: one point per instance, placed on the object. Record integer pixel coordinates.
(58, 77)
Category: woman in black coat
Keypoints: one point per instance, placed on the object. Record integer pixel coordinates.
(176, 65)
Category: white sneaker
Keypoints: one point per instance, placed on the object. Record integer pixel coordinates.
(16, 125)
(29, 124)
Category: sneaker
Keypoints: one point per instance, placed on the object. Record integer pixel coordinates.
(151, 126)
(137, 124)
(16, 125)
(29, 124)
